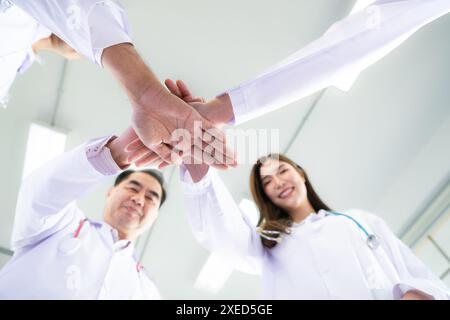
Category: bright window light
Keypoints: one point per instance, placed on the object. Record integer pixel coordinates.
(214, 274)
(44, 143)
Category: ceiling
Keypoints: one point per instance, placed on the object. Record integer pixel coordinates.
(384, 146)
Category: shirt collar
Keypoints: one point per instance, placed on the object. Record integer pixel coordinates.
(122, 246)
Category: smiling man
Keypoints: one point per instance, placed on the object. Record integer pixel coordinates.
(133, 203)
(59, 252)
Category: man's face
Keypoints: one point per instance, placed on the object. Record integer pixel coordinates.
(133, 205)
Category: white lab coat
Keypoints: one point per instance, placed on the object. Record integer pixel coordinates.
(326, 257)
(47, 215)
(335, 59)
(18, 32)
(88, 26)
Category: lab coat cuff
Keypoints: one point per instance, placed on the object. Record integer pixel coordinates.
(194, 188)
(100, 156)
(107, 13)
(400, 289)
(241, 109)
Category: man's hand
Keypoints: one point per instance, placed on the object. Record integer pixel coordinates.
(138, 154)
(157, 114)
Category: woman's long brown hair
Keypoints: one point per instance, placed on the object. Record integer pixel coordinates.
(273, 218)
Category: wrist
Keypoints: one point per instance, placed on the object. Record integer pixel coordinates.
(128, 68)
(222, 109)
(117, 152)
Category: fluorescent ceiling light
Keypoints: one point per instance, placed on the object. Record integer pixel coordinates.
(44, 143)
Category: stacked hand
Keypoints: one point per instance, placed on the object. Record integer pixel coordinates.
(132, 149)
(164, 123)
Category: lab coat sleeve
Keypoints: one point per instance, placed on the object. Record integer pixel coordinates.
(219, 225)
(46, 200)
(88, 26)
(335, 59)
(414, 274)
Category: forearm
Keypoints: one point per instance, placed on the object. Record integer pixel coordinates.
(335, 59)
(47, 197)
(61, 181)
(216, 220)
(411, 274)
(128, 68)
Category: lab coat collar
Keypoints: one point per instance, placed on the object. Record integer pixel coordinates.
(312, 217)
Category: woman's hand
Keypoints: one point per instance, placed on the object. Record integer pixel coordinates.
(416, 295)
(218, 110)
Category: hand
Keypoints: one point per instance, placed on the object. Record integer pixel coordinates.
(416, 295)
(218, 110)
(56, 45)
(217, 113)
(138, 154)
(157, 114)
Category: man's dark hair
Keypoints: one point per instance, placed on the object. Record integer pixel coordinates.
(154, 173)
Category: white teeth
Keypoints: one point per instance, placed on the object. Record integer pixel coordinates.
(286, 193)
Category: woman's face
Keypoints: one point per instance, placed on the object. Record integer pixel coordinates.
(283, 184)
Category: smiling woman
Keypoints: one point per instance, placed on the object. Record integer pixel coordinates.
(323, 255)
(280, 186)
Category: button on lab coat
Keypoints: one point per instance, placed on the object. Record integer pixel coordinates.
(325, 257)
(46, 216)
(18, 32)
(335, 59)
(88, 26)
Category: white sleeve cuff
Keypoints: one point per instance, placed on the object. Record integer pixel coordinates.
(192, 188)
(100, 156)
(240, 107)
(108, 26)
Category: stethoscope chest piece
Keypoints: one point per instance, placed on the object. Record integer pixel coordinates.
(69, 245)
(373, 242)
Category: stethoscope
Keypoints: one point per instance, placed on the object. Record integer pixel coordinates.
(72, 243)
(372, 240)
